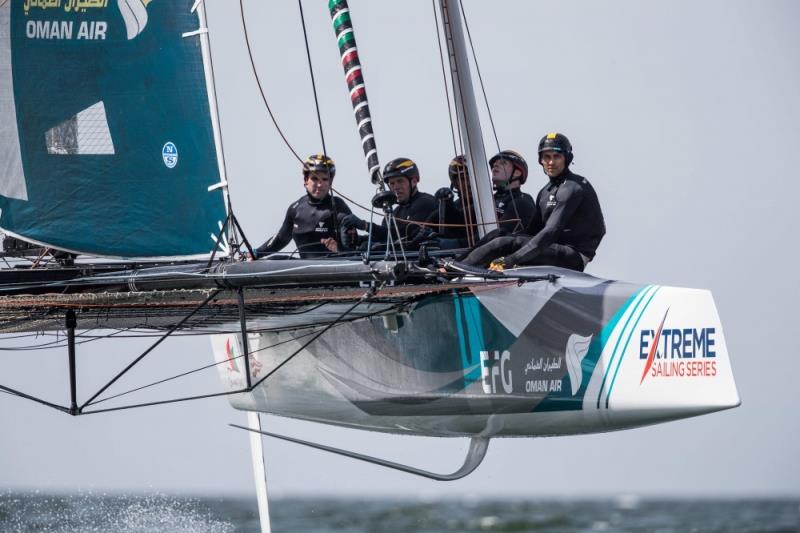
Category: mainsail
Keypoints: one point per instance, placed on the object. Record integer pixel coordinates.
(108, 144)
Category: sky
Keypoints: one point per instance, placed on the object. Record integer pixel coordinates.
(683, 114)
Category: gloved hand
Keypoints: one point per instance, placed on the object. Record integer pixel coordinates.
(498, 265)
(445, 193)
(448, 244)
(423, 234)
(348, 237)
(353, 222)
(432, 243)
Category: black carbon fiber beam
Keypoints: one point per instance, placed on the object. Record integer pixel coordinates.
(71, 323)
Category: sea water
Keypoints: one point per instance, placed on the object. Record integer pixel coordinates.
(22, 512)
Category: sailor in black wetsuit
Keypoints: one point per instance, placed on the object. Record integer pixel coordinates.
(570, 225)
(515, 209)
(402, 176)
(454, 220)
(311, 221)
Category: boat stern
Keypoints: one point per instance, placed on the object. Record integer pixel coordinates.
(666, 359)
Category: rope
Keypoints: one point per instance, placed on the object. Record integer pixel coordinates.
(338, 320)
(444, 78)
(372, 292)
(480, 78)
(311, 72)
(260, 88)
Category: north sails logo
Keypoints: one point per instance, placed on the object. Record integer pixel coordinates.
(678, 352)
(134, 13)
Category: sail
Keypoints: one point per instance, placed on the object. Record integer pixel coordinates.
(108, 138)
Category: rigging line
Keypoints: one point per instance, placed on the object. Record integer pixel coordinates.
(163, 402)
(444, 78)
(227, 393)
(260, 88)
(366, 296)
(311, 73)
(365, 208)
(199, 369)
(14, 392)
(459, 68)
(334, 323)
(480, 78)
(152, 347)
(57, 343)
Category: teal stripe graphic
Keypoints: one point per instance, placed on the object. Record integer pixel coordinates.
(589, 363)
(625, 348)
(637, 298)
(462, 346)
(472, 313)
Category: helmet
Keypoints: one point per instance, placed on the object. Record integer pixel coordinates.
(319, 163)
(556, 142)
(400, 167)
(517, 160)
(457, 168)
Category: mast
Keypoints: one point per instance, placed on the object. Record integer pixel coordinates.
(346, 38)
(211, 89)
(468, 118)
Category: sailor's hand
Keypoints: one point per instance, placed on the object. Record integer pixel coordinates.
(247, 256)
(348, 237)
(331, 244)
(498, 265)
(445, 193)
(351, 221)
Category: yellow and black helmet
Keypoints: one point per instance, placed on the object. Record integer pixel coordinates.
(515, 159)
(400, 167)
(457, 167)
(556, 142)
(319, 163)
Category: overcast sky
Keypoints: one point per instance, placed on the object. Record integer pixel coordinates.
(683, 114)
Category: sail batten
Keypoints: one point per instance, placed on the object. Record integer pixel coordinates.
(112, 121)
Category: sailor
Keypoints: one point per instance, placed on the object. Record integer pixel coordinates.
(515, 209)
(311, 221)
(413, 206)
(455, 215)
(568, 226)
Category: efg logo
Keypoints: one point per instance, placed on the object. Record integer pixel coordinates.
(496, 371)
(678, 352)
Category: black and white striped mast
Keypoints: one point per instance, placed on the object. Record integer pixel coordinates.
(468, 118)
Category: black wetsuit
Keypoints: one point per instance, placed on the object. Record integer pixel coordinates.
(455, 233)
(307, 222)
(566, 231)
(515, 210)
(419, 208)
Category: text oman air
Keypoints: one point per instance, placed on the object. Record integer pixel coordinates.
(89, 30)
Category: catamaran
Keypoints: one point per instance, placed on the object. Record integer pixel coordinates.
(395, 342)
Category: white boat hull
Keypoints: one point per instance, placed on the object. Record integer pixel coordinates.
(577, 355)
